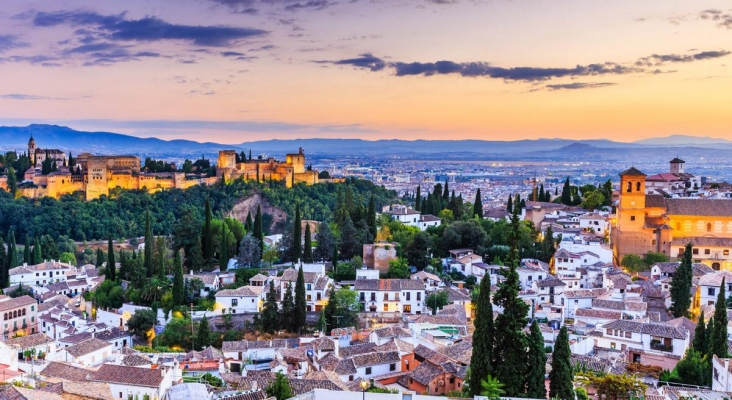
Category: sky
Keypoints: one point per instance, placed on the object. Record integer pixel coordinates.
(232, 71)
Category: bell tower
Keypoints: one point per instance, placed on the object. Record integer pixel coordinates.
(631, 211)
(32, 150)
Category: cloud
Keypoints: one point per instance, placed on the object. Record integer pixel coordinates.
(660, 59)
(309, 5)
(366, 60)
(40, 59)
(578, 85)
(723, 20)
(524, 74)
(148, 29)
(10, 42)
(18, 96)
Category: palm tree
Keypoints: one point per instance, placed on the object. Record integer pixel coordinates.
(154, 289)
(491, 387)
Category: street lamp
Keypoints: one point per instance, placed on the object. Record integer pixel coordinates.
(364, 385)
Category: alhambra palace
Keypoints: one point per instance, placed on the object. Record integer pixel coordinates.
(97, 175)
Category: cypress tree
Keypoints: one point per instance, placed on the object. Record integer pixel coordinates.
(561, 375)
(371, 217)
(100, 257)
(566, 193)
(178, 281)
(718, 344)
(535, 387)
(161, 249)
(203, 338)
(297, 236)
(300, 307)
(307, 254)
(481, 362)
(12, 180)
(417, 205)
(250, 154)
(510, 341)
(708, 336)
(27, 251)
(207, 243)
(509, 206)
(12, 257)
(149, 245)
(224, 249)
(37, 258)
(478, 205)
(681, 286)
(111, 267)
(258, 227)
(331, 310)
(269, 317)
(3, 263)
(334, 259)
(248, 225)
(700, 334)
(445, 193)
(288, 311)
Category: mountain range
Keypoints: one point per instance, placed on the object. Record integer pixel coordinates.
(67, 139)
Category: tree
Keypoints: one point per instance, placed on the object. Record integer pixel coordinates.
(297, 236)
(141, 323)
(249, 251)
(416, 249)
(436, 300)
(326, 242)
(177, 333)
(371, 216)
(111, 264)
(481, 362)
(299, 316)
(509, 205)
(566, 193)
(350, 244)
(681, 286)
(203, 336)
(651, 258)
(269, 317)
(330, 311)
(491, 387)
(633, 263)
(699, 343)
(464, 235)
(99, 258)
(535, 386)
(692, 369)
(178, 282)
(348, 307)
(12, 181)
(4, 260)
(288, 311)
(398, 268)
(258, 230)
(593, 200)
(614, 386)
(207, 235)
(149, 244)
(280, 388)
(718, 342)
(478, 205)
(548, 246)
(418, 198)
(68, 258)
(561, 375)
(270, 255)
(224, 248)
(307, 254)
(27, 251)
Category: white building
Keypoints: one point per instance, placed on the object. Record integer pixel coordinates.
(410, 217)
(391, 295)
(650, 337)
(709, 287)
(40, 274)
(368, 365)
(89, 353)
(317, 285)
(594, 223)
(246, 299)
(432, 282)
(125, 382)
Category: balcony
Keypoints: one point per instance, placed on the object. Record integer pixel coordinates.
(659, 346)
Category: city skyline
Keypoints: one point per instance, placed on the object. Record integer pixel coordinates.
(231, 71)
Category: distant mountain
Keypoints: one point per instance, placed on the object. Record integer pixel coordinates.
(67, 139)
(683, 140)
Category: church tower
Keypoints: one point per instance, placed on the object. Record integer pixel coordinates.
(629, 235)
(677, 166)
(32, 150)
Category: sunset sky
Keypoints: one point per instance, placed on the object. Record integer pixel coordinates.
(240, 70)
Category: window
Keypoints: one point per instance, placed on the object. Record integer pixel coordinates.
(309, 297)
(681, 251)
(308, 287)
(709, 227)
(368, 370)
(234, 302)
(710, 291)
(386, 296)
(408, 296)
(707, 251)
(386, 307)
(419, 296)
(695, 251)
(725, 252)
(630, 187)
(350, 377)
(362, 296)
(373, 296)
(392, 367)
(637, 186)
(632, 217)
(628, 334)
(319, 294)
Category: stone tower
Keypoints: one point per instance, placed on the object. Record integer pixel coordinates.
(629, 235)
(32, 150)
(297, 161)
(677, 166)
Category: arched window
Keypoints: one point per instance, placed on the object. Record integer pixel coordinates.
(5, 317)
(709, 227)
(24, 311)
(678, 226)
(630, 187)
(637, 186)
(15, 314)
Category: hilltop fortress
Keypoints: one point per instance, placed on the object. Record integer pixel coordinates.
(97, 175)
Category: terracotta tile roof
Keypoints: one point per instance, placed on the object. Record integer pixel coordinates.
(460, 352)
(244, 345)
(426, 372)
(56, 369)
(714, 279)
(655, 329)
(601, 314)
(585, 293)
(699, 207)
(294, 355)
(290, 275)
(258, 278)
(632, 171)
(21, 301)
(33, 340)
(550, 281)
(455, 295)
(244, 291)
(135, 360)
(392, 331)
(345, 367)
(390, 285)
(326, 376)
(124, 375)
(323, 344)
(87, 346)
(426, 275)
(329, 362)
(46, 266)
(371, 359)
(258, 395)
(430, 355)
(609, 304)
(349, 351)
